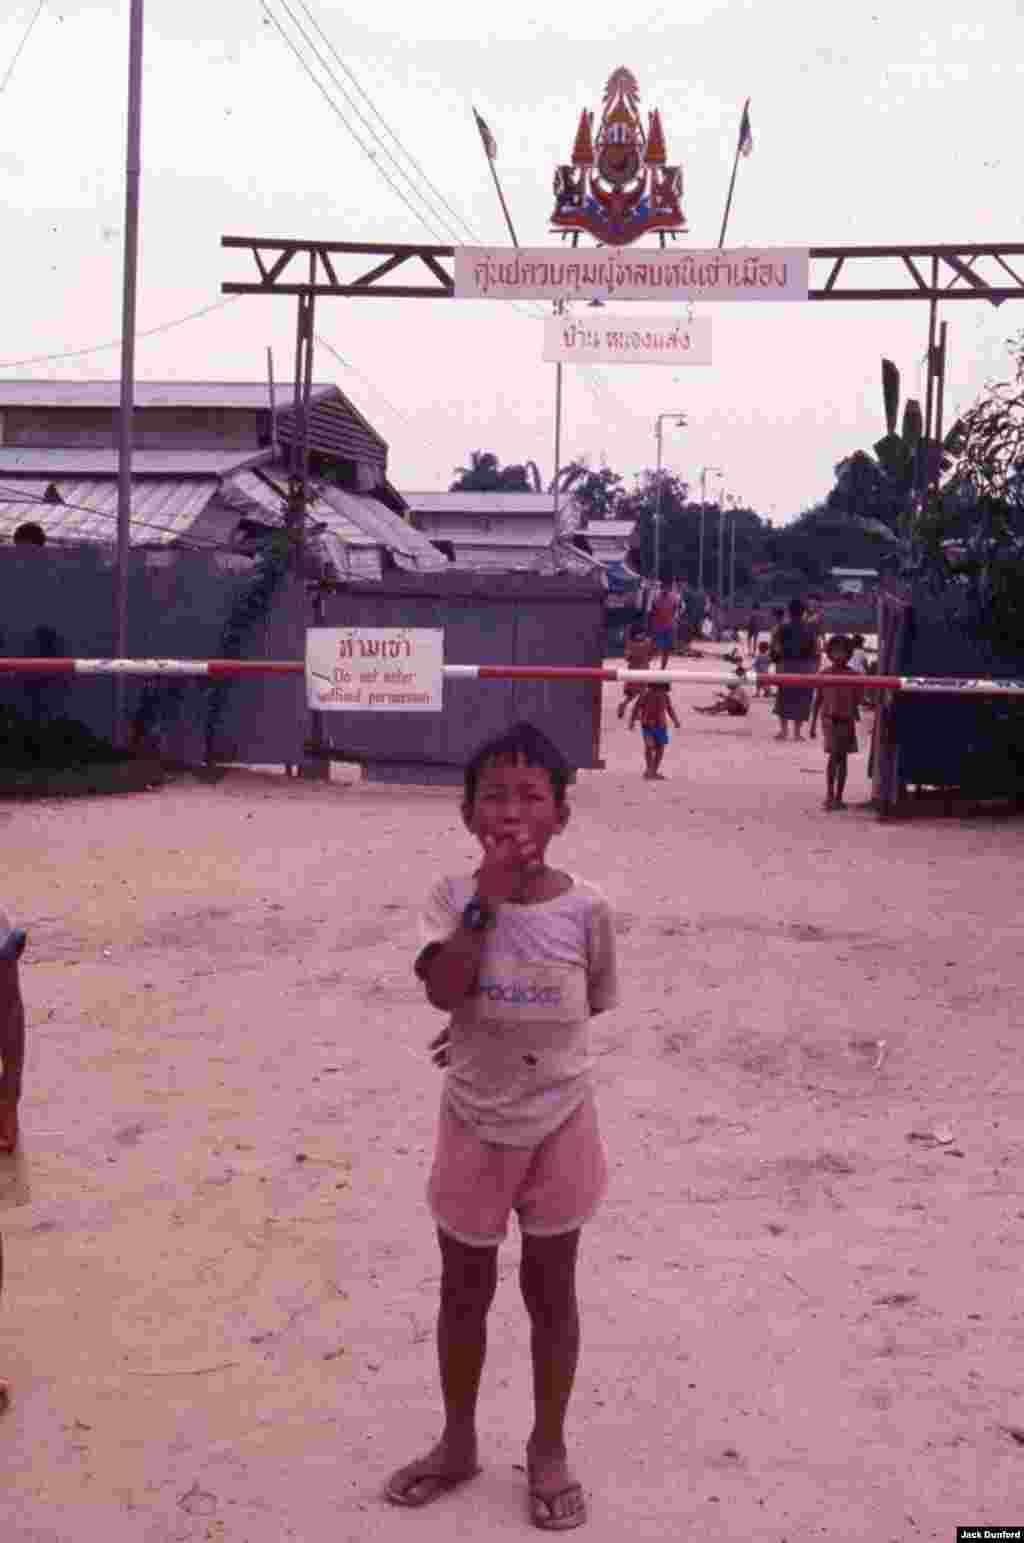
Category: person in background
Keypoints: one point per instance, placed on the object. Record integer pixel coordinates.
(755, 626)
(653, 708)
(858, 659)
(839, 711)
(640, 651)
(735, 702)
(796, 651)
(761, 666)
(662, 621)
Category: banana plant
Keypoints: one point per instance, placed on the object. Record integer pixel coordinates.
(907, 458)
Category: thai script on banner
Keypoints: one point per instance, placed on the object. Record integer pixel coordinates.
(628, 340)
(375, 669)
(541, 273)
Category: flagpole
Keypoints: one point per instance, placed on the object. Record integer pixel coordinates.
(732, 180)
(497, 184)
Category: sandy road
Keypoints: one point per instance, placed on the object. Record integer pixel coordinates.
(799, 1323)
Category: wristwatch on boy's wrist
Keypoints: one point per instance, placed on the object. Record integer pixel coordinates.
(477, 916)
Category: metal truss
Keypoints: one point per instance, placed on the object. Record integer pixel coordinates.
(989, 271)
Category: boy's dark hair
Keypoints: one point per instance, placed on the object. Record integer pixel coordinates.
(762, 648)
(521, 742)
(839, 640)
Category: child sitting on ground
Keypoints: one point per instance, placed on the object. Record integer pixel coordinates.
(839, 709)
(640, 651)
(521, 956)
(762, 667)
(653, 708)
(735, 702)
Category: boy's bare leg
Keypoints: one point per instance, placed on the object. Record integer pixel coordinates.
(842, 765)
(547, 1278)
(830, 782)
(468, 1282)
(659, 756)
(648, 758)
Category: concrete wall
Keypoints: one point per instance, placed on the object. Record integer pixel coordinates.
(511, 619)
(175, 610)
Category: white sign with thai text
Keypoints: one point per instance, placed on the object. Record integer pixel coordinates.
(375, 669)
(550, 273)
(627, 340)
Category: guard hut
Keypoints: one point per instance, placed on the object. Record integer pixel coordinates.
(966, 750)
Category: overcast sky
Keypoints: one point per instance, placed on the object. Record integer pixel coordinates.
(876, 122)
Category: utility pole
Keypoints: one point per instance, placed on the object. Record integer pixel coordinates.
(703, 509)
(732, 561)
(130, 290)
(681, 423)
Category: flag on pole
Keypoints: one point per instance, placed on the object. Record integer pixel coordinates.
(746, 137)
(489, 142)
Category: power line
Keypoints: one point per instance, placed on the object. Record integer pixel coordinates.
(99, 348)
(387, 127)
(417, 214)
(21, 45)
(360, 115)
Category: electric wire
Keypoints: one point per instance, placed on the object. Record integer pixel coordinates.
(18, 51)
(99, 348)
(459, 219)
(417, 214)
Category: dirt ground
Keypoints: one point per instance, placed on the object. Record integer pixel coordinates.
(801, 1303)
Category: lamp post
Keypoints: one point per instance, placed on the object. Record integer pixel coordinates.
(703, 505)
(658, 432)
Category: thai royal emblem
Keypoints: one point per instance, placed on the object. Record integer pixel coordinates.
(619, 185)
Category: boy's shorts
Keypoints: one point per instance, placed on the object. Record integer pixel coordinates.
(657, 736)
(554, 1187)
(664, 638)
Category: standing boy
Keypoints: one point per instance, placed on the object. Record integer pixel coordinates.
(522, 956)
(12, 1057)
(839, 712)
(654, 708)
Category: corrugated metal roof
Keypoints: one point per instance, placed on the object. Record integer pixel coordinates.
(248, 489)
(410, 547)
(148, 393)
(336, 428)
(525, 541)
(483, 503)
(57, 464)
(163, 511)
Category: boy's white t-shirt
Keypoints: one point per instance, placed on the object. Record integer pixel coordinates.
(519, 1059)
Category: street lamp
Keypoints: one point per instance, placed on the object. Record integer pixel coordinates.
(703, 505)
(680, 424)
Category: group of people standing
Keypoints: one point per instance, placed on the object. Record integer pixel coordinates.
(795, 646)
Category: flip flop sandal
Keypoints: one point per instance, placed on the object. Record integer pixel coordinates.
(442, 1482)
(549, 1523)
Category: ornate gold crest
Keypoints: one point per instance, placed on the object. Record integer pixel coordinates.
(619, 186)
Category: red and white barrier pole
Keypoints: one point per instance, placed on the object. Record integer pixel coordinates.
(222, 669)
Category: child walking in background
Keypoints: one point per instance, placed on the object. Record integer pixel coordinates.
(521, 955)
(761, 667)
(654, 708)
(840, 711)
(640, 651)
